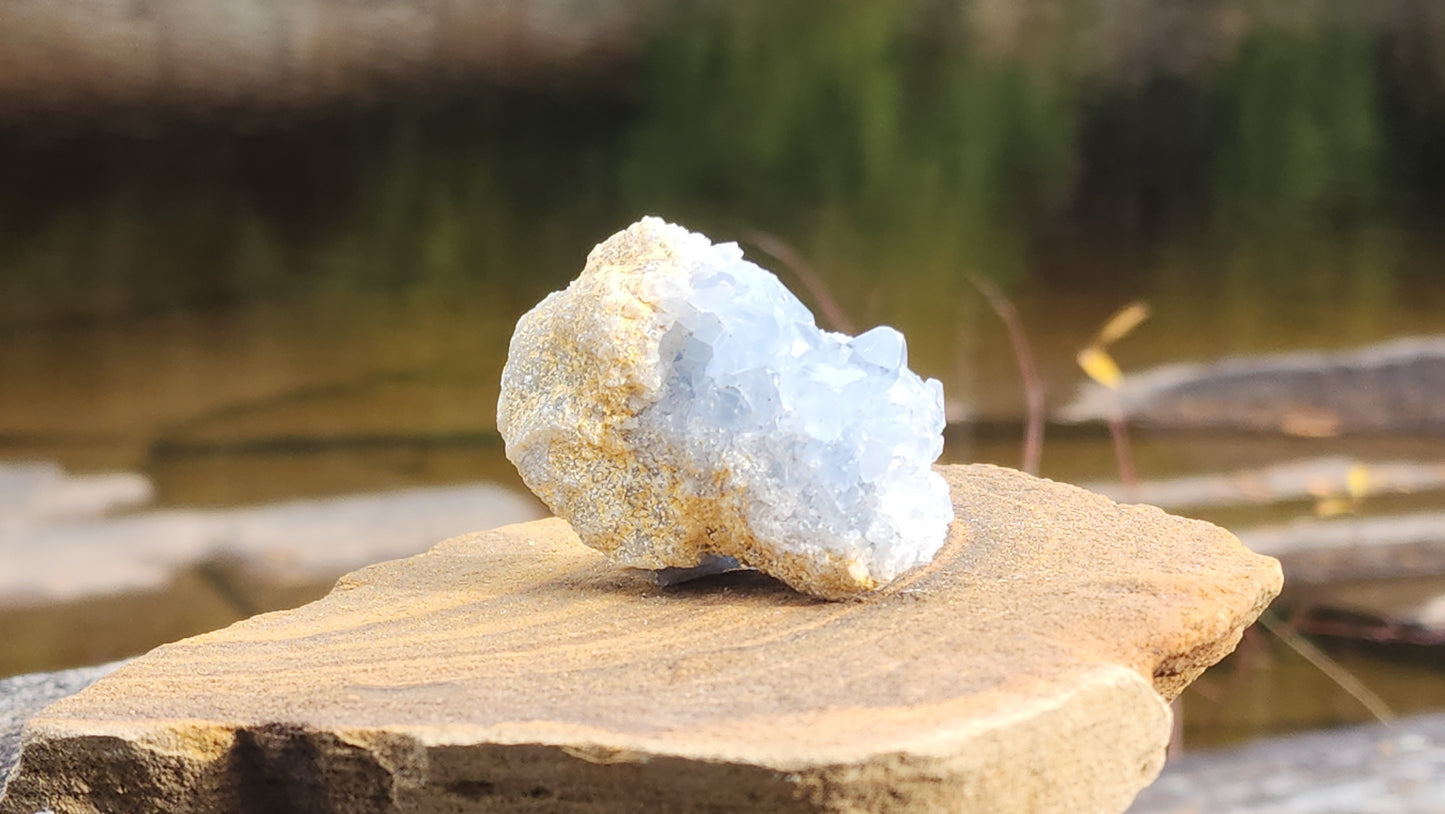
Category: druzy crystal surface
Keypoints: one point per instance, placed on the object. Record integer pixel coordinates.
(679, 406)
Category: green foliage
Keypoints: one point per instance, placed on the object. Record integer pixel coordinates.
(877, 118)
(1302, 147)
(899, 144)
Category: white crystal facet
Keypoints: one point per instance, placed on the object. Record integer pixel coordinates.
(677, 403)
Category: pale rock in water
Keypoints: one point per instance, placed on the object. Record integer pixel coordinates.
(679, 407)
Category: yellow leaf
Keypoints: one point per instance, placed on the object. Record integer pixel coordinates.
(1100, 367)
(1357, 482)
(1122, 322)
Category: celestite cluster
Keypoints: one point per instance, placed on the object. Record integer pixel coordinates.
(678, 406)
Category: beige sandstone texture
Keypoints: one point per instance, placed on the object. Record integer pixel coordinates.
(1025, 670)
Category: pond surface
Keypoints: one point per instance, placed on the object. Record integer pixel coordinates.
(321, 305)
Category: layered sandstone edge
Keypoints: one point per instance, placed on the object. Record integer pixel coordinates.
(1026, 669)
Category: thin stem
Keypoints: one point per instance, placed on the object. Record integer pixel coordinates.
(1119, 431)
(1331, 668)
(1176, 729)
(807, 275)
(1028, 374)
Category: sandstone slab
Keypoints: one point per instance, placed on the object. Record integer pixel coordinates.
(24, 695)
(1025, 670)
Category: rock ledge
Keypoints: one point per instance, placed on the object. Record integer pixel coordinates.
(1026, 669)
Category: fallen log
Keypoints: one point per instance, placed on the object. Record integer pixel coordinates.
(81, 57)
(1333, 476)
(1396, 387)
(1320, 552)
(59, 542)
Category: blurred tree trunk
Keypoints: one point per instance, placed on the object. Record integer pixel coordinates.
(91, 57)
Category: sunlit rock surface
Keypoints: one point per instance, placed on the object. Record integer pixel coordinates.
(677, 405)
(1025, 671)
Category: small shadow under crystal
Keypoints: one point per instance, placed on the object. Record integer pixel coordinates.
(667, 577)
(714, 574)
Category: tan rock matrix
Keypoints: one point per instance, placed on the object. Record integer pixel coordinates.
(1025, 670)
(680, 408)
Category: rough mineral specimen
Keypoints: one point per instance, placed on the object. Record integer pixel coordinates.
(678, 406)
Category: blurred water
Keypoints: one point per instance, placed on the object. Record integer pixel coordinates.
(321, 304)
